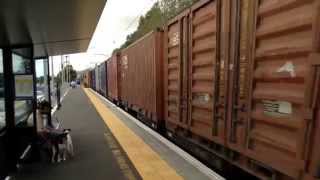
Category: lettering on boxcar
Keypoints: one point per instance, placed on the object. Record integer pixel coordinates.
(174, 39)
(202, 98)
(124, 62)
(276, 108)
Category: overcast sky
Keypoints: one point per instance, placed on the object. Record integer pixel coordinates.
(119, 18)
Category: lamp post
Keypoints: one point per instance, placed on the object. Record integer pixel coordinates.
(67, 68)
(62, 73)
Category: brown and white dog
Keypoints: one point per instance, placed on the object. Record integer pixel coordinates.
(62, 148)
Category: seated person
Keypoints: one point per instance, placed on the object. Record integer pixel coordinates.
(49, 137)
(44, 109)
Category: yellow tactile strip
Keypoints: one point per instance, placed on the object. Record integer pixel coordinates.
(120, 158)
(147, 162)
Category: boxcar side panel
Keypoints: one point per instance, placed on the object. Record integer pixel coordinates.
(106, 77)
(280, 108)
(175, 59)
(113, 77)
(241, 29)
(207, 89)
(139, 72)
(102, 73)
(93, 82)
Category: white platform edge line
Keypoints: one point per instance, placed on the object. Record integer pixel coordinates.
(186, 156)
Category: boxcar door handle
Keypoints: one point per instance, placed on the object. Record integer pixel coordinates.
(313, 81)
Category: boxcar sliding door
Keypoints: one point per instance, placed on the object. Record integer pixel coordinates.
(175, 72)
(206, 73)
(286, 43)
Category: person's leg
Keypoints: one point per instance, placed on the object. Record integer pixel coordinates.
(58, 152)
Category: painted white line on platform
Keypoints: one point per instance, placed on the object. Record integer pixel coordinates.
(54, 109)
(186, 156)
(25, 152)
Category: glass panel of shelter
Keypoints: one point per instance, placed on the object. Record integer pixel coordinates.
(43, 84)
(42, 76)
(24, 85)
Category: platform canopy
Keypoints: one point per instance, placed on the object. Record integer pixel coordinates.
(53, 27)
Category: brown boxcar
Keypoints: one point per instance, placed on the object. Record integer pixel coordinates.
(142, 77)
(103, 79)
(241, 79)
(89, 79)
(113, 76)
(194, 72)
(175, 71)
(85, 79)
(275, 82)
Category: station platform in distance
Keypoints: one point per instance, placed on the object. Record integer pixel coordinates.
(111, 144)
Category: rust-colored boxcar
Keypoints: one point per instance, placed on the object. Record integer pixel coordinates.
(194, 72)
(142, 77)
(175, 71)
(85, 79)
(241, 79)
(103, 79)
(113, 76)
(273, 85)
(89, 78)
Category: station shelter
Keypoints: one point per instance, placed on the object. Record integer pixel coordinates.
(30, 32)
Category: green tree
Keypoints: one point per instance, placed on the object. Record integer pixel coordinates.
(64, 75)
(156, 17)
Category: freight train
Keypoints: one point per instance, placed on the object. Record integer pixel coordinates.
(233, 82)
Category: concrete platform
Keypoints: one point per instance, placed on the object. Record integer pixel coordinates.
(110, 144)
(94, 155)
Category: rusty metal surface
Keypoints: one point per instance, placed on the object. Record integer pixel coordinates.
(279, 112)
(194, 77)
(113, 75)
(86, 79)
(103, 78)
(141, 75)
(207, 78)
(243, 74)
(239, 65)
(175, 74)
(314, 152)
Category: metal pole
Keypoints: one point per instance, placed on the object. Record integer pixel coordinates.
(52, 72)
(51, 59)
(49, 79)
(62, 73)
(58, 85)
(68, 69)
